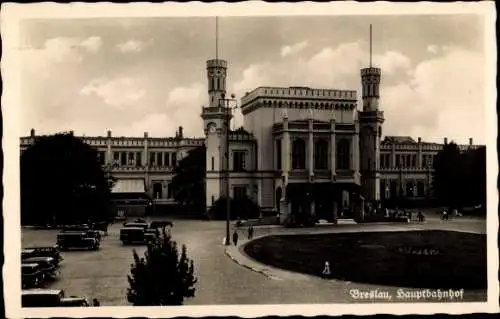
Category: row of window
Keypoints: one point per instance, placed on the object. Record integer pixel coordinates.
(239, 192)
(343, 160)
(406, 160)
(393, 189)
(159, 159)
(308, 92)
(239, 161)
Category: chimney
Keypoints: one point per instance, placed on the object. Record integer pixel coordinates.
(109, 134)
(181, 135)
(145, 134)
(419, 140)
(32, 132)
(72, 133)
(470, 141)
(445, 141)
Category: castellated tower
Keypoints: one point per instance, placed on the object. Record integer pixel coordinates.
(214, 120)
(370, 121)
(216, 73)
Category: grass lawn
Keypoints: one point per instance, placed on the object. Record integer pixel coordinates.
(416, 259)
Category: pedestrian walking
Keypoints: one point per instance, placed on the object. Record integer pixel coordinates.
(96, 302)
(420, 217)
(250, 232)
(235, 238)
(445, 215)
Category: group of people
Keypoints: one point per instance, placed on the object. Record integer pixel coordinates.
(446, 216)
(235, 235)
(398, 213)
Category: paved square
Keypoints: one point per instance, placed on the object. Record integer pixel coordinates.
(103, 274)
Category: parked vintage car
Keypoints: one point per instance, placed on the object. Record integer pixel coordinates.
(31, 275)
(161, 224)
(140, 235)
(44, 251)
(74, 301)
(46, 264)
(136, 224)
(91, 232)
(68, 240)
(50, 298)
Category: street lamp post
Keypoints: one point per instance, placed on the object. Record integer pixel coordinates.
(225, 103)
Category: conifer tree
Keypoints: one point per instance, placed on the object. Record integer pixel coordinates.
(161, 277)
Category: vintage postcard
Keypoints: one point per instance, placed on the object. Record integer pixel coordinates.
(249, 159)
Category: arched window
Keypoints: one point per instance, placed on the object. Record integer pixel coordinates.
(383, 187)
(157, 190)
(321, 154)
(299, 154)
(343, 154)
(409, 189)
(420, 189)
(393, 189)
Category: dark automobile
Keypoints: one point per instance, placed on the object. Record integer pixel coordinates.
(68, 240)
(161, 224)
(94, 233)
(41, 297)
(136, 225)
(48, 251)
(91, 232)
(31, 275)
(141, 235)
(101, 225)
(27, 253)
(81, 227)
(74, 301)
(46, 264)
(50, 298)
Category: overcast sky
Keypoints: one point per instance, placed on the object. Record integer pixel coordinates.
(148, 74)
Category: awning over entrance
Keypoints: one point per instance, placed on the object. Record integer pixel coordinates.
(129, 186)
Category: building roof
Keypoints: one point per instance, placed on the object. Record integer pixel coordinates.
(399, 140)
(136, 185)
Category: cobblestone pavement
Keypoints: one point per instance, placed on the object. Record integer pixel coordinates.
(103, 274)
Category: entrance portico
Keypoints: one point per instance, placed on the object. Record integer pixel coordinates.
(328, 201)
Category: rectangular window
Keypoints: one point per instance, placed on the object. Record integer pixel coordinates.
(398, 158)
(239, 161)
(116, 158)
(138, 159)
(174, 159)
(414, 161)
(424, 161)
(213, 163)
(130, 160)
(160, 158)
(278, 154)
(239, 192)
(152, 159)
(167, 159)
(123, 160)
(101, 156)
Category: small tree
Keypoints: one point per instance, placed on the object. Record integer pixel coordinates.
(161, 277)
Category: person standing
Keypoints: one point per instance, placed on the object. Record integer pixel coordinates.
(445, 215)
(235, 238)
(250, 232)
